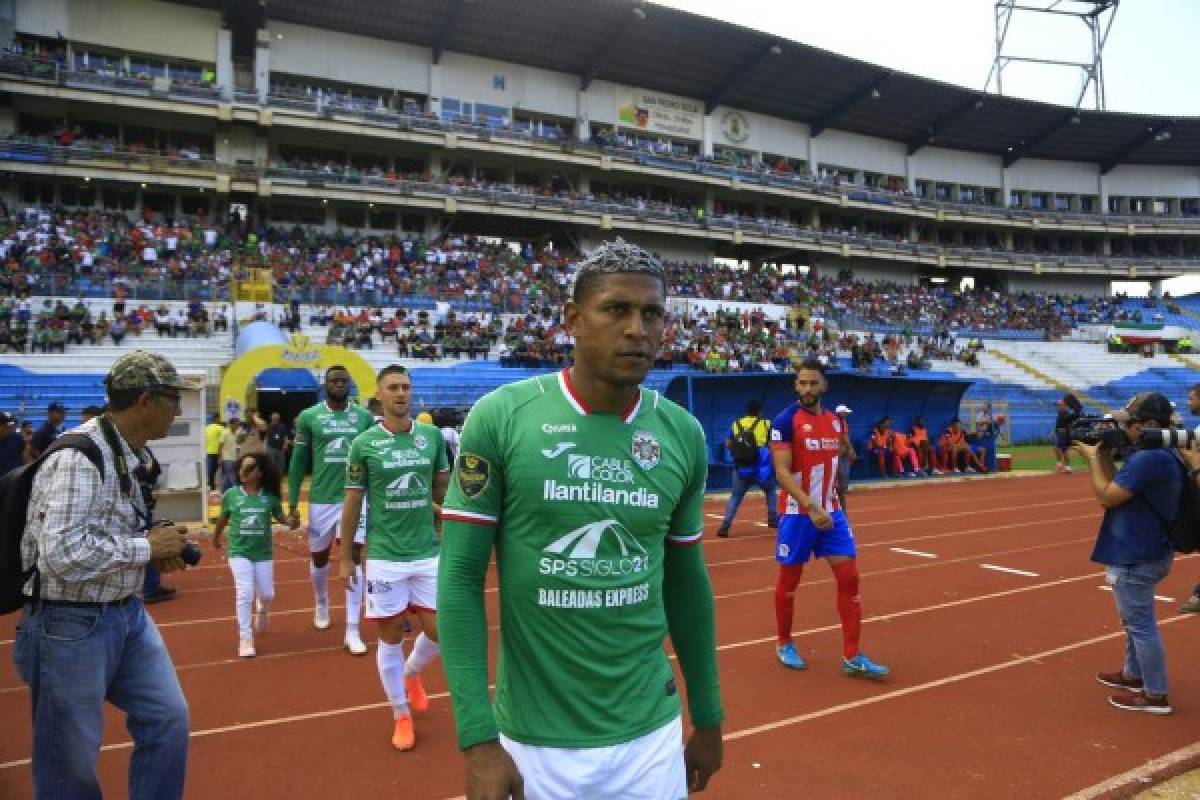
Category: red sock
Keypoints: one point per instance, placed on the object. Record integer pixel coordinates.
(849, 606)
(785, 595)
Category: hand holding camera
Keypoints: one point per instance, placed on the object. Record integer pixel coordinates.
(170, 549)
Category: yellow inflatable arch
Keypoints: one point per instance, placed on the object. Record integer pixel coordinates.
(299, 353)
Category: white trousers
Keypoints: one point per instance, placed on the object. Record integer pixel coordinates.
(251, 579)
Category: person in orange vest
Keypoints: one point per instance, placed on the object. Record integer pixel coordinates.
(956, 445)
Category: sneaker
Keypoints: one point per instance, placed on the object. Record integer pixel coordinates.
(861, 666)
(1118, 680)
(938, 472)
(321, 616)
(1060, 468)
(418, 701)
(1149, 703)
(403, 737)
(354, 643)
(912, 474)
(1192, 606)
(246, 648)
(723, 532)
(970, 470)
(957, 471)
(1067, 470)
(789, 657)
(774, 523)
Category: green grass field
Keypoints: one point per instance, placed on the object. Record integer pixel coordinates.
(1036, 457)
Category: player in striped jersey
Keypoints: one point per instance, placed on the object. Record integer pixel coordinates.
(805, 440)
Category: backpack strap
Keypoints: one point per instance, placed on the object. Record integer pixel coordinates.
(68, 441)
(1166, 523)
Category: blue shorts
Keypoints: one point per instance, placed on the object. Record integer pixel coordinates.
(798, 539)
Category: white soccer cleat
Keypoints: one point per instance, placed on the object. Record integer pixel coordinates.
(354, 643)
(246, 648)
(321, 616)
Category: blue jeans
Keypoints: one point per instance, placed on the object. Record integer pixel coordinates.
(75, 658)
(1133, 587)
(228, 475)
(741, 485)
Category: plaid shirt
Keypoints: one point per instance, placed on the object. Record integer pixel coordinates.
(88, 539)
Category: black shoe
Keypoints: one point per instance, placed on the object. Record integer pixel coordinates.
(772, 523)
(163, 594)
(723, 532)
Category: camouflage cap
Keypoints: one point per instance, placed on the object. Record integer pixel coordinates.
(142, 370)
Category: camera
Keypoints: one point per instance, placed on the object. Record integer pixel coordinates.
(1169, 437)
(1104, 431)
(191, 554)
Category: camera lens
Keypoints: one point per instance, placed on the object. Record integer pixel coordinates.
(191, 554)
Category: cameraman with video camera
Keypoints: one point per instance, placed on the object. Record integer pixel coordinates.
(84, 636)
(1139, 502)
(1192, 456)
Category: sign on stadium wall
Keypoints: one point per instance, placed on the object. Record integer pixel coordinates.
(660, 113)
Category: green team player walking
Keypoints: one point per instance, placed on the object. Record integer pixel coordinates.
(323, 436)
(590, 491)
(400, 467)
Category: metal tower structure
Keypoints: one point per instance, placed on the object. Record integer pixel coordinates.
(1097, 15)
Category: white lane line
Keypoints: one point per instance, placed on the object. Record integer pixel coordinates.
(714, 516)
(732, 645)
(1158, 597)
(762, 524)
(907, 552)
(1032, 658)
(1138, 776)
(1010, 570)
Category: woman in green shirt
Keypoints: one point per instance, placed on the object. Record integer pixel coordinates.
(247, 511)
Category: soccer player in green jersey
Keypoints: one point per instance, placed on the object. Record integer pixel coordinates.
(323, 436)
(590, 491)
(399, 466)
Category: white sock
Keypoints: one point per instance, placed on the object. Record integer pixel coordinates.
(354, 600)
(424, 651)
(390, 658)
(320, 583)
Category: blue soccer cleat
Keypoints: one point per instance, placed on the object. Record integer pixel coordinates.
(862, 667)
(789, 657)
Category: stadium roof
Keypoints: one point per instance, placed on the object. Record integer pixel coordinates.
(673, 51)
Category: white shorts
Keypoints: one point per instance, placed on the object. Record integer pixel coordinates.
(324, 523)
(647, 768)
(394, 587)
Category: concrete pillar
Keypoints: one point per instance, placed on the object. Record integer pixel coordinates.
(1102, 193)
(811, 155)
(1106, 248)
(8, 121)
(709, 202)
(1005, 188)
(814, 218)
(435, 90)
(434, 165)
(8, 20)
(583, 183)
(330, 217)
(1007, 239)
(224, 65)
(914, 232)
(910, 179)
(583, 118)
(262, 66)
(706, 143)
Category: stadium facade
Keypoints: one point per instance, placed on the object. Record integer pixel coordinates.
(574, 120)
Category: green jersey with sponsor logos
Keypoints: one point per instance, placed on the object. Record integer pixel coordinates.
(397, 471)
(250, 518)
(327, 435)
(584, 505)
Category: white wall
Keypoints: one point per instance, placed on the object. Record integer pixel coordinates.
(1054, 176)
(1153, 181)
(525, 88)
(602, 102)
(136, 26)
(348, 58)
(841, 149)
(765, 134)
(1074, 284)
(956, 166)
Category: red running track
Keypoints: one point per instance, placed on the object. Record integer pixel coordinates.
(991, 695)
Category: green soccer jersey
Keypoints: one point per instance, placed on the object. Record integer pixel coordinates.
(397, 471)
(327, 435)
(584, 506)
(250, 518)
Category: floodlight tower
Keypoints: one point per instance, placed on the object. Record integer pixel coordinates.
(1097, 15)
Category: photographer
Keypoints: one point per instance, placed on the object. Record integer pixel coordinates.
(1139, 502)
(1192, 456)
(1069, 409)
(84, 636)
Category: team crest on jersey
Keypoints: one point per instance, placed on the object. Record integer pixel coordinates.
(419, 442)
(837, 426)
(646, 450)
(355, 472)
(474, 472)
(806, 428)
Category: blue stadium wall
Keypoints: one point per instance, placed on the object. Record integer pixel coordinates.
(718, 400)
